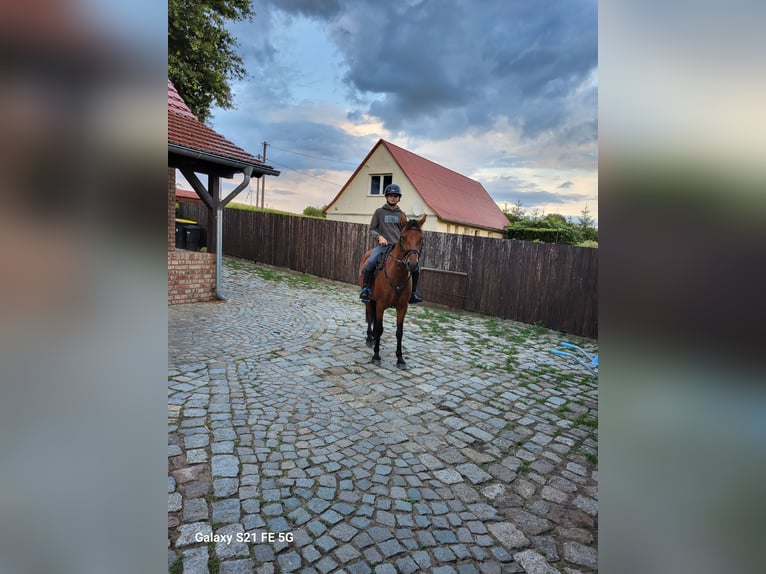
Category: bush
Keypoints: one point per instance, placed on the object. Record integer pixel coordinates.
(590, 234)
(569, 235)
(544, 234)
(314, 212)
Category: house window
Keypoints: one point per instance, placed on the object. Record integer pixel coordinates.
(379, 182)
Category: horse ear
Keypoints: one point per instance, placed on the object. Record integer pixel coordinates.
(403, 219)
(422, 220)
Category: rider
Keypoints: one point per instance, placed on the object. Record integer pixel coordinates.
(386, 228)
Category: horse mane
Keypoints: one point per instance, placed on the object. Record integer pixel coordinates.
(412, 224)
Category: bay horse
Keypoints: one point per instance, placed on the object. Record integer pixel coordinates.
(392, 286)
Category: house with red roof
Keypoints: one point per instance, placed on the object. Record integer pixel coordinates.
(453, 202)
(187, 196)
(200, 153)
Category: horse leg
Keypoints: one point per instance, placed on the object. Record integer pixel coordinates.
(400, 313)
(377, 331)
(370, 314)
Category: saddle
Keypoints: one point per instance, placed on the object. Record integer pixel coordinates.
(380, 260)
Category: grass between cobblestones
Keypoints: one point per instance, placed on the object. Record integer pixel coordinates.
(592, 458)
(291, 278)
(510, 366)
(213, 562)
(446, 326)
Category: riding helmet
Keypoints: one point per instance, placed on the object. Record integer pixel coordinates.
(392, 189)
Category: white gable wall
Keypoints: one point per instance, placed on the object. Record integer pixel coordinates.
(356, 205)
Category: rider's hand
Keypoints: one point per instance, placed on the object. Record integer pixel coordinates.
(382, 240)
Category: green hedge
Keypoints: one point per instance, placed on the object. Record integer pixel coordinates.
(563, 235)
(544, 234)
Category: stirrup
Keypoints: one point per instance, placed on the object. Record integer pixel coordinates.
(365, 295)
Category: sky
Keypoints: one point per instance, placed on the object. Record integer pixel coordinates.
(503, 91)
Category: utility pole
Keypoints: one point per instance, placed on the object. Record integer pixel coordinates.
(257, 182)
(263, 179)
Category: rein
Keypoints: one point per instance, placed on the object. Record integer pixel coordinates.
(403, 261)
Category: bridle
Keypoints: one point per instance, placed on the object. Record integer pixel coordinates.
(406, 253)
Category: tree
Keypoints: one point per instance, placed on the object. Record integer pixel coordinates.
(202, 54)
(585, 219)
(586, 225)
(517, 212)
(555, 220)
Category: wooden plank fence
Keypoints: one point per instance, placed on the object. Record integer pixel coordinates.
(553, 285)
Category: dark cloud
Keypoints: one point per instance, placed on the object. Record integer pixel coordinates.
(466, 63)
(319, 141)
(582, 133)
(315, 8)
(429, 71)
(438, 67)
(299, 145)
(257, 50)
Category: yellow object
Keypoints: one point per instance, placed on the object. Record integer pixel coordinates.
(186, 221)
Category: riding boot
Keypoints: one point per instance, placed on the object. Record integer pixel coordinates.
(365, 295)
(416, 297)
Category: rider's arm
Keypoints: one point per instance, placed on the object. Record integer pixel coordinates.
(375, 228)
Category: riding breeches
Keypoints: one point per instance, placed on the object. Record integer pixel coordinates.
(369, 267)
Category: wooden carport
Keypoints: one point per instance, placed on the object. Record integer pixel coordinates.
(194, 148)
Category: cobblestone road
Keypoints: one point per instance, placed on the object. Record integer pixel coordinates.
(289, 452)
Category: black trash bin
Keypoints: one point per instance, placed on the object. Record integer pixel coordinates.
(193, 235)
(181, 225)
(180, 235)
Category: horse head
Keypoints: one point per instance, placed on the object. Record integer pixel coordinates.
(411, 240)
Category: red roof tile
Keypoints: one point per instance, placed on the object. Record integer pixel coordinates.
(187, 195)
(176, 103)
(185, 130)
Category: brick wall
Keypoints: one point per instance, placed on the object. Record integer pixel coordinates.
(191, 275)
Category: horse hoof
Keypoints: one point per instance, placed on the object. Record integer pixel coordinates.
(376, 362)
(370, 344)
(402, 366)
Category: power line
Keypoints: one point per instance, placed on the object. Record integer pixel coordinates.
(304, 173)
(313, 156)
